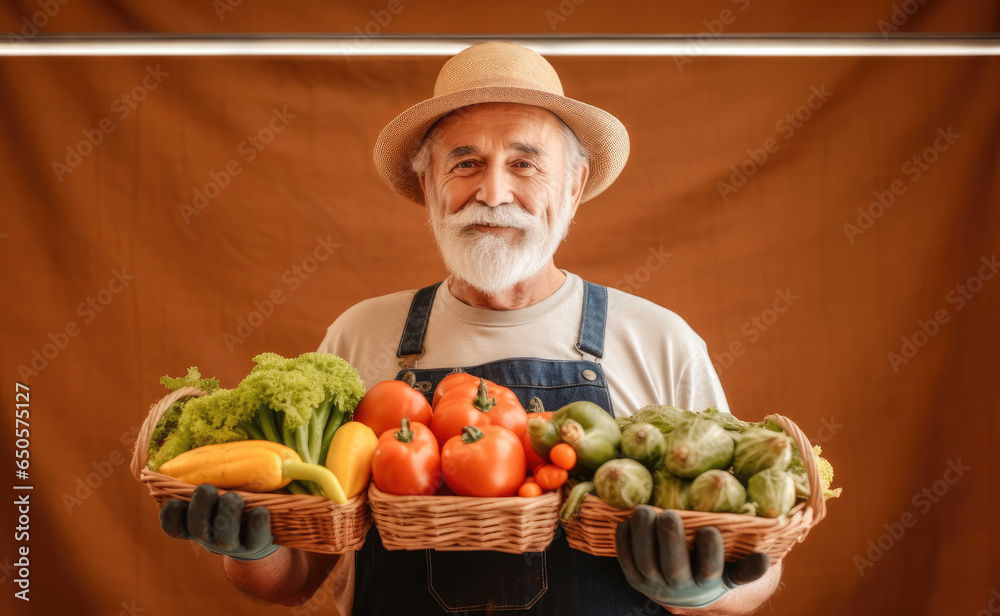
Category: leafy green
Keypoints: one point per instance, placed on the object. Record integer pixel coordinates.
(191, 379)
(667, 418)
(169, 420)
(797, 469)
(299, 402)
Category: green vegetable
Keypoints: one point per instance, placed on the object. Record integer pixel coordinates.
(797, 470)
(696, 446)
(759, 449)
(644, 443)
(171, 417)
(825, 470)
(664, 417)
(718, 491)
(772, 491)
(575, 499)
(590, 430)
(543, 435)
(304, 400)
(725, 420)
(669, 418)
(299, 402)
(623, 483)
(670, 492)
(191, 379)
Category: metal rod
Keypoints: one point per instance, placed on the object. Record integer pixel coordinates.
(361, 44)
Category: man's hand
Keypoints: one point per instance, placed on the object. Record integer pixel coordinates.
(219, 524)
(654, 555)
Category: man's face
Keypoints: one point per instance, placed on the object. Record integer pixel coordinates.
(499, 197)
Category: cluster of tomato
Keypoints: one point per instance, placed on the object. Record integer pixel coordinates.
(471, 441)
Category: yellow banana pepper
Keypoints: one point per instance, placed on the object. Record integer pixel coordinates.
(253, 466)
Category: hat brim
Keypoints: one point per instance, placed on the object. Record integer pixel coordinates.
(602, 134)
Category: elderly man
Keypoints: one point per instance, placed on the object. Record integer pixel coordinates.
(502, 159)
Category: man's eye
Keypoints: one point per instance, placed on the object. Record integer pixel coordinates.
(523, 164)
(465, 164)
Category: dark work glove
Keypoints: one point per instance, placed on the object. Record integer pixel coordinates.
(219, 524)
(654, 556)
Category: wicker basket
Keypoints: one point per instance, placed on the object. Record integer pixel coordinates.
(593, 529)
(460, 523)
(312, 523)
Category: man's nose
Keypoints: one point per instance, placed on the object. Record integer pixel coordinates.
(495, 187)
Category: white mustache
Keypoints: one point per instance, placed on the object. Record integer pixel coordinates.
(497, 216)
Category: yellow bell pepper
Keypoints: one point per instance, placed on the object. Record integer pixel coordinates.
(350, 456)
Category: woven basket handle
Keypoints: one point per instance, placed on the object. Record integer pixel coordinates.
(816, 502)
(140, 455)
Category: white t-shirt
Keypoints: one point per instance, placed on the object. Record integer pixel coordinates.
(651, 356)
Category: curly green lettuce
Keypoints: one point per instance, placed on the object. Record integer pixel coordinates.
(299, 402)
(168, 422)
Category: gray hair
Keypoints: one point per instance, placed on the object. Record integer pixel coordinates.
(576, 154)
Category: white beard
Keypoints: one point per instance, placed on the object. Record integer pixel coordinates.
(488, 262)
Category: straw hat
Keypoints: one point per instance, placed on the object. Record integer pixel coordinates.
(500, 73)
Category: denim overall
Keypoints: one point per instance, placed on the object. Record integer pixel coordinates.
(557, 581)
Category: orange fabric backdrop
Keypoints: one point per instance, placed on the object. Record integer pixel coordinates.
(113, 280)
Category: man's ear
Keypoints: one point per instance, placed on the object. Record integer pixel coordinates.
(581, 177)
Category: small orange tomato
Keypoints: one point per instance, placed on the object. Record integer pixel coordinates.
(563, 455)
(529, 488)
(550, 477)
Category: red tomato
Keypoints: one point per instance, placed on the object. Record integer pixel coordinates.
(388, 402)
(407, 461)
(531, 457)
(450, 381)
(529, 488)
(550, 477)
(483, 461)
(564, 456)
(478, 404)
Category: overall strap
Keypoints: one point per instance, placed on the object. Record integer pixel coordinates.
(595, 319)
(412, 340)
